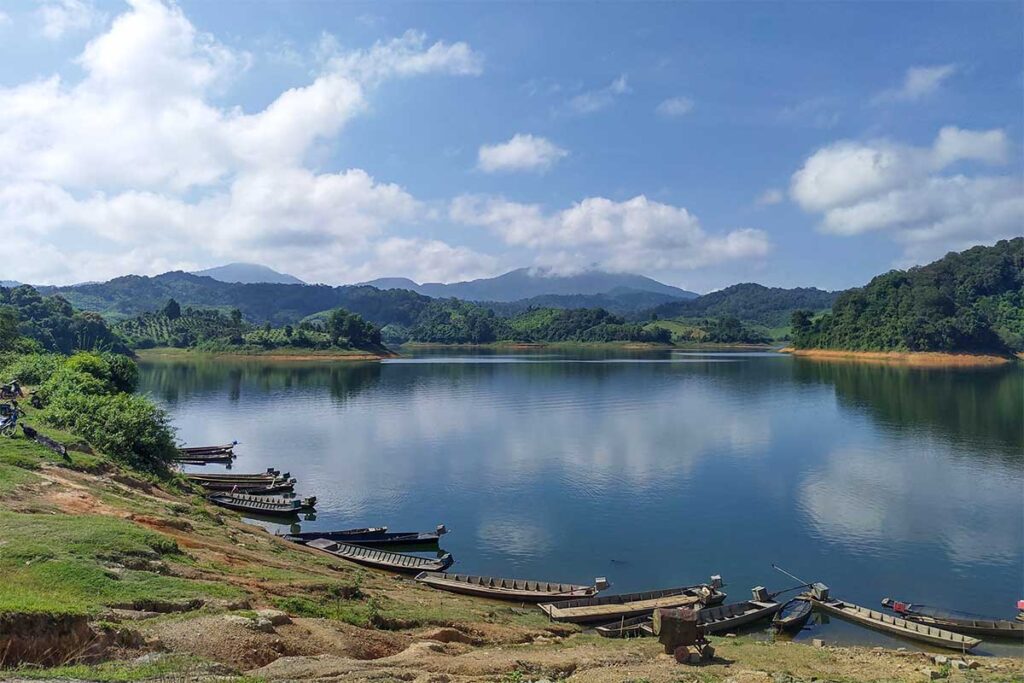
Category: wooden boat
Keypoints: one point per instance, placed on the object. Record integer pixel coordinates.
(520, 590)
(381, 559)
(792, 617)
(373, 536)
(635, 627)
(270, 474)
(895, 626)
(958, 622)
(213, 459)
(732, 616)
(265, 505)
(208, 450)
(254, 487)
(711, 619)
(626, 605)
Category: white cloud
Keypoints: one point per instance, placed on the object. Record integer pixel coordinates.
(882, 185)
(596, 100)
(5, 18)
(918, 82)
(134, 167)
(675, 106)
(60, 17)
(524, 152)
(770, 196)
(635, 234)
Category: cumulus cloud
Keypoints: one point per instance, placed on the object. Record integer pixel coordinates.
(523, 152)
(60, 17)
(634, 234)
(675, 106)
(596, 100)
(918, 82)
(134, 167)
(770, 196)
(883, 185)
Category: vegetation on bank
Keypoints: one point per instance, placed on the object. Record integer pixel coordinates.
(968, 302)
(727, 330)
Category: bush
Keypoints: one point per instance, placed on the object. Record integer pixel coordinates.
(34, 368)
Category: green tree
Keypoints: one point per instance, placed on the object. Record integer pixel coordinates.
(172, 310)
(8, 328)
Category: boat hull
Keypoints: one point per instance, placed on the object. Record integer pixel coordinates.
(518, 590)
(896, 626)
(370, 537)
(382, 559)
(792, 617)
(628, 605)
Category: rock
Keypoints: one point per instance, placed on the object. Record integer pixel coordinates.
(274, 616)
(940, 659)
(730, 635)
(818, 642)
(934, 675)
(959, 664)
(973, 664)
(901, 649)
(263, 625)
(237, 619)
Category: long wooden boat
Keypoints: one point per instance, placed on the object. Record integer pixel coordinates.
(373, 536)
(626, 605)
(792, 617)
(270, 474)
(208, 450)
(896, 626)
(711, 619)
(635, 627)
(520, 590)
(213, 459)
(381, 559)
(55, 446)
(265, 505)
(254, 487)
(958, 622)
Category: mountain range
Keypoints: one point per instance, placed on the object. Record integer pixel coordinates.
(526, 283)
(248, 273)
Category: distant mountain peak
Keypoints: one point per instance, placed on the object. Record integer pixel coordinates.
(525, 283)
(248, 273)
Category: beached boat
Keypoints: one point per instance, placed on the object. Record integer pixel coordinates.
(381, 559)
(265, 505)
(270, 474)
(253, 486)
(887, 623)
(958, 622)
(373, 536)
(792, 617)
(520, 590)
(626, 605)
(212, 459)
(208, 450)
(635, 627)
(732, 616)
(710, 619)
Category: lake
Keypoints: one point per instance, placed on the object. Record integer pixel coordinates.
(654, 469)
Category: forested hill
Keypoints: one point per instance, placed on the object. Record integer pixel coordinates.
(971, 301)
(768, 306)
(278, 304)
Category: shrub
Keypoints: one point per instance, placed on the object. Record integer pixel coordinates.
(33, 368)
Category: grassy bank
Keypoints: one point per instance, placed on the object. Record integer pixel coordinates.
(925, 359)
(170, 353)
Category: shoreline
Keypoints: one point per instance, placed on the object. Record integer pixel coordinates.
(920, 359)
(169, 353)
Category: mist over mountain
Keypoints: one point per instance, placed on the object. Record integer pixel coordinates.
(527, 283)
(248, 273)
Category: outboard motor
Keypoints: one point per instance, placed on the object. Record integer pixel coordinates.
(441, 530)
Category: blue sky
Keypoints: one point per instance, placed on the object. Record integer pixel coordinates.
(793, 144)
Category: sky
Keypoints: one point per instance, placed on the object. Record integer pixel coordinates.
(702, 144)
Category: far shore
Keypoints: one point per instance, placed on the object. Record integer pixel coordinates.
(165, 353)
(923, 359)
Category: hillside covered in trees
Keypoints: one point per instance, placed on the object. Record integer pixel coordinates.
(50, 323)
(750, 302)
(971, 301)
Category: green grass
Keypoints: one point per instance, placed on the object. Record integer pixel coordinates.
(57, 564)
(169, 668)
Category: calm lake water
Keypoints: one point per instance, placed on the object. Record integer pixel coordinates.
(653, 469)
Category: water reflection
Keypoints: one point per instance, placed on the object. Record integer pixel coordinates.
(876, 479)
